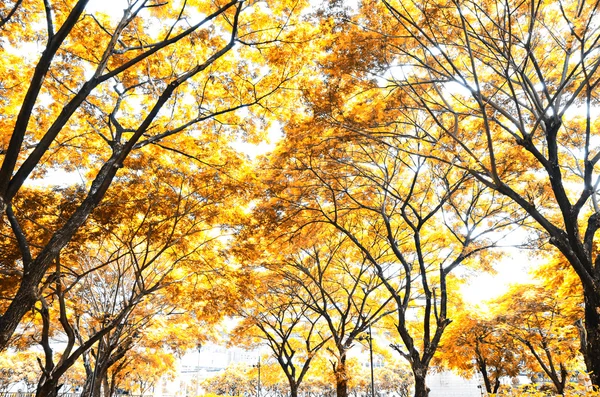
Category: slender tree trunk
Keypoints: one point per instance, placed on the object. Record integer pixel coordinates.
(93, 383)
(559, 380)
(421, 389)
(113, 384)
(496, 386)
(486, 378)
(99, 383)
(87, 385)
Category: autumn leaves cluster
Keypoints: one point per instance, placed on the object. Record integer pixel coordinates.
(416, 136)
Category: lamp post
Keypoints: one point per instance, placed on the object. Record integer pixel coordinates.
(199, 347)
(258, 386)
(370, 340)
(371, 354)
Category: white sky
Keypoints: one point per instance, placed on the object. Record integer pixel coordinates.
(512, 269)
(274, 134)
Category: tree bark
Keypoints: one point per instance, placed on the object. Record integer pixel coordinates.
(486, 378)
(591, 352)
(293, 390)
(92, 385)
(341, 378)
(93, 382)
(27, 294)
(105, 386)
(48, 388)
(421, 389)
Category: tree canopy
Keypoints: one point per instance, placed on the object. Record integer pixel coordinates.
(415, 136)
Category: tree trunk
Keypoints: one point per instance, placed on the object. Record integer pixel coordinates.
(113, 384)
(341, 378)
(293, 390)
(105, 386)
(496, 386)
(23, 301)
(559, 380)
(87, 385)
(48, 388)
(560, 389)
(591, 353)
(421, 389)
(93, 384)
(486, 379)
(100, 378)
(341, 387)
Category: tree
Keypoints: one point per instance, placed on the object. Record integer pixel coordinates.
(273, 382)
(393, 379)
(339, 285)
(234, 381)
(411, 220)
(321, 383)
(277, 318)
(137, 267)
(545, 326)
(505, 90)
(142, 369)
(109, 92)
(474, 342)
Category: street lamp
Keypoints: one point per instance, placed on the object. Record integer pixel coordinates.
(199, 347)
(258, 386)
(370, 339)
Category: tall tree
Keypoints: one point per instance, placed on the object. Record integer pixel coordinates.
(410, 219)
(233, 381)
(119, 89)
(336, 281)
(508, 92)
(142, 370)
(138, 257)
(473, 342)
(545, 325)
(277, 318)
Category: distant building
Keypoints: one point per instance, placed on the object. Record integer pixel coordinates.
(197, 366)
(449, 384)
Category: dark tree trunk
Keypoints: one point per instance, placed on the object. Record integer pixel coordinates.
(486, 378)
(341, 387)
(26, 295)
(99, 383)
(293, 390)
(496, 386)
(421, 389)
(48, 388)
(93, 384)
(106, 387)
(591, 342)
(23, 301)
(341, 378)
